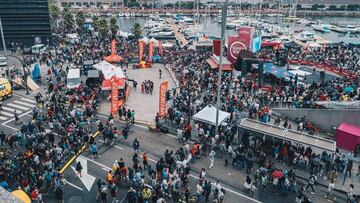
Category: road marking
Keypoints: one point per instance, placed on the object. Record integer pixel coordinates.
(3, 118)
(23, 103)
(17, 106)
(193, 176)
(6, 113)
(6, 122)
(87, 179)
(67, 182)
(12, 128)
(102, 141)
(28, 100)
(11, 109)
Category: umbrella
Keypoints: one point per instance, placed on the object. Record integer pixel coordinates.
(277, 174)
(21, 195)
(348, 89)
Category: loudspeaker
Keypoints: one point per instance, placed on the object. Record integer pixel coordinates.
(239, 61)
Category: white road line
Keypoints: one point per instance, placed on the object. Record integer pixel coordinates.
(28, 100)
(23, 103)
(12, 128)
(193, 176)
(21, 115)
(6, 113)
(77, 187)
(3, 118)
(11, 109)
(17, 106)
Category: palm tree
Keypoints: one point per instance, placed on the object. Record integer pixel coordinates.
(103, 27)
(54, 13)
(68, 19)
(80, 20)
(95, 23)
(136, 30)
(113, 24)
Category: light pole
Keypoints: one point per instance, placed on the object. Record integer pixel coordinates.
(223, 27)
(4, 45)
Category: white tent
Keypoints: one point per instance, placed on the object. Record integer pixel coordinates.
(208, 115)
(109, 70)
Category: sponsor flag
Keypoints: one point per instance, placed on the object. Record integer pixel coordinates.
(151, 52)
(113, 47)
(216, 47)
(115, 82)
(235, 45)
(256, 44)
(162, 98)
(141, 50)
(161, 49)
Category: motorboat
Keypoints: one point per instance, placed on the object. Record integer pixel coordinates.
(127, 15)
(305, 36)
(303, 22)
(291, 19)
(324, 28)
(120, 15)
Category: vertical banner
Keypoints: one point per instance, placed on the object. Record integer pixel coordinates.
(235, 45)
(256, 44)
(161, 49)
(162, 98)
(245, 35)
(114, 95)
(141, 50)
(216, 47)
(113, 47)
(151, 51)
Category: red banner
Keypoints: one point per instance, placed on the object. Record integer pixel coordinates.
(115, 82)
(235, 45)
(246, 35)
(162, 98)
(141, 50)
(216, 47)
(113, 47)
(151, 51)
(161, 49)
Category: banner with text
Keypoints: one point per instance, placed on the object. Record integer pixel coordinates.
(151, 52)
(141, 50)
(115, 82)
(162, 98)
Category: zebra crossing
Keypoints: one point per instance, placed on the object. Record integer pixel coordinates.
(20, 105)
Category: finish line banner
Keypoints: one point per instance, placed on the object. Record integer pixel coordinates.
(162, 98)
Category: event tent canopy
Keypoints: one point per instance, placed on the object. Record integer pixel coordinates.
(109, 70)
(347, 136)
(208, 115)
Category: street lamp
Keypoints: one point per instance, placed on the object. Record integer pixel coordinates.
(25, 73)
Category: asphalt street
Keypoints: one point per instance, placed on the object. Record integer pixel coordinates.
(77, 190)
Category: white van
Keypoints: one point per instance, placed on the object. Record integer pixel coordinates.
(73, 78)
(3, 61)
(38, 48)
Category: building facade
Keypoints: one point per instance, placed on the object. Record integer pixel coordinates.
(25, 21)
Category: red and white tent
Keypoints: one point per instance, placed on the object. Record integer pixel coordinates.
(109, 70)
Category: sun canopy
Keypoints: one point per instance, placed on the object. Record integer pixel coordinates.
(276, 71)
(109, 70)
(208, 115)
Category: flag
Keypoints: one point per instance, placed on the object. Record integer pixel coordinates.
(161, 49)
(162, 98)
(151, 52)
(141, 50)
(256, 44)
(216, 47)
(115, 82)
(113, 47)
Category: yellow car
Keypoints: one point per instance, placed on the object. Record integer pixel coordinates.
(5, 88)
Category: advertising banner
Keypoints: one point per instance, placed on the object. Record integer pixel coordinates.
(235, 45)
(161, 49)
(115, 82)
(141, 50)
(162, 98)
(216, 47)
(151, 51)
(113, 47)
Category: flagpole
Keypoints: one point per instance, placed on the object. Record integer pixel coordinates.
(223, 27)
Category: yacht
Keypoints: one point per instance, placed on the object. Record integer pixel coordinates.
(324, 28)
(291, 19)
(303, 22)
(305, 36)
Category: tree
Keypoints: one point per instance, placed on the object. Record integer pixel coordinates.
(317, 7)
(332, 7)
(95, 23)
(113, 24)
(68, 19)
(54, 13)
(80, 20)
(353, 7)
(103, 27)
(136, 30)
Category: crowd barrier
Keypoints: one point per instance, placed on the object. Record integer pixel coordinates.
(327, 67)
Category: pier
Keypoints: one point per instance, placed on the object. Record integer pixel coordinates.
(180, 38)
